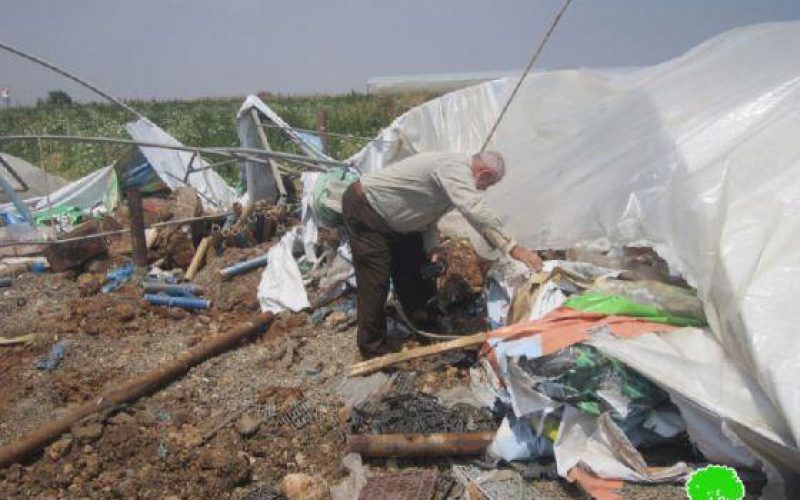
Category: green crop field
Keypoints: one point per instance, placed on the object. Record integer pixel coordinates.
(204, 122)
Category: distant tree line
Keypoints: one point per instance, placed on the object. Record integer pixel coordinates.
(55, 98)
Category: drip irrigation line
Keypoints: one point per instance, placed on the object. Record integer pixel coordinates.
(536, 54)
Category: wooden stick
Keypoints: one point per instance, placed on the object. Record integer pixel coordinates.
(131, 390)
(199, 255)
(419, 445)
(138, 239)
(375, 364)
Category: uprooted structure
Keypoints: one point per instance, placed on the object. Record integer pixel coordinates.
(583, 364)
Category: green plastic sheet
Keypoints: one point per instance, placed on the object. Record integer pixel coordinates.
(616, 305)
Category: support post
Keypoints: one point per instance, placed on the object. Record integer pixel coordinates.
(322, 128)
(138, 238)
(273, 165)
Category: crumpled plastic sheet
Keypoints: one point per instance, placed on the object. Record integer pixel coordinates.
(690, 364)
(696, 157)
(601, 446)
(86, 193)
(281, 287)
(172, 166)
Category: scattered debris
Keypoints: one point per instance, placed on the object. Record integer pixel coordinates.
(405, 486)
(55, 357)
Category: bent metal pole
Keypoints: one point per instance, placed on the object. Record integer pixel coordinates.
(63, 72)
(525, 73)
(236, 153)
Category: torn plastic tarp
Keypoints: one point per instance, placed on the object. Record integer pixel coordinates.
(260, 177)
(309, 220)
(86, 193)
(708, 388)
(174, 166)
(281, 287)
(600, 445)
(696, 157)
(28, 180)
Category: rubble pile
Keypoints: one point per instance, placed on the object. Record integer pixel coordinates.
(204, 345)
(271, 419)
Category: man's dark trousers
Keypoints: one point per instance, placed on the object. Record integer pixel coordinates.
(378, 254)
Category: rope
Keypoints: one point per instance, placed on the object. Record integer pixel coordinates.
(525, 73)
(72, 77)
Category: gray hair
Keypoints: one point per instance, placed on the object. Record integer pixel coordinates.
(494, 162)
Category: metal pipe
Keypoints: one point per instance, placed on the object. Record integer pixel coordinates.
(419, 445)
(535, 56)
(72, 77)
(185, 302)
(132, 389)
(6, 282)
(113, 233)
(332, 134)
(175, 290)
(243, 267)
(240, 153)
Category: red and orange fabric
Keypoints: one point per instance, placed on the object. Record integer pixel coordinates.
(564, 327)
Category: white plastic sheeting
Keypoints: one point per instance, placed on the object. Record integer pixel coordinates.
(697, 157)
(37, 181)
(86, 193)
(281, 285)
(601, 446)
(261, 177)
(173, 166)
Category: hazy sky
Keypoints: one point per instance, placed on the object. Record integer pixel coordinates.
(196, 48)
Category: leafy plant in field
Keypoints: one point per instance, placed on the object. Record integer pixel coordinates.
(204, 122)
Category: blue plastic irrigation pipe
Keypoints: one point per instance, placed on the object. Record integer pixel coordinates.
(243, 267)
(185, 302)
(185, 290)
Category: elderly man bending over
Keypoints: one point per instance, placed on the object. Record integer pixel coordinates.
(390, 217)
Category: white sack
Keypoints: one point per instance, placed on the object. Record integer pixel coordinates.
(281, 287)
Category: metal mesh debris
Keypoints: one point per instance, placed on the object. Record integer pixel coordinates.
(405, 486)
(263, 493)
(297, 416)
(412, 413)
(404, 382)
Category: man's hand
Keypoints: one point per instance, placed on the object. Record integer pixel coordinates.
(527, 257)
(435, 254)
(436, 265)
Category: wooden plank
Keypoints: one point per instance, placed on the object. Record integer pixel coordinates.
(273, 165)
(199, 255)
(375, 364)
